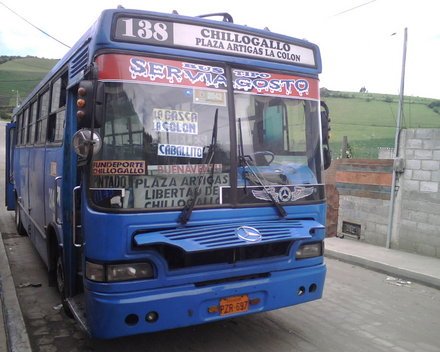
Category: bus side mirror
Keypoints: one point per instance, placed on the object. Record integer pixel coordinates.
(89, 103)
(325, 127)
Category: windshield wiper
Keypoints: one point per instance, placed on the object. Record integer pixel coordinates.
(187, 210)
(257, 175)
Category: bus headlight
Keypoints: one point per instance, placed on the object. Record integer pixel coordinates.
(118, 272)
(131, 271)
(310, 250)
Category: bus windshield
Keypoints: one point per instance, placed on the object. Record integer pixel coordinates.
(167, 137)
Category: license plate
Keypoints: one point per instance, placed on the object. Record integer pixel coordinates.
(235, 304)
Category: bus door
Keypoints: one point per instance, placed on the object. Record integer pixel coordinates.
(37, 171)
(9, 177)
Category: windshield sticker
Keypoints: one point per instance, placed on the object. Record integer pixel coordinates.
(181, 151)
(275, 84)
(118, 167)
(184, 169)
(175, 121)
(209, 97)
(177, 191)
(280, 193)
(284, 193)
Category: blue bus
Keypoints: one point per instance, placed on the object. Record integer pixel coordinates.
(169, 171)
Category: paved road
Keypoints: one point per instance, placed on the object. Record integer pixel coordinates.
(361, 311)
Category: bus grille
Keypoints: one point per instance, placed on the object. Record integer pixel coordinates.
(203, 245)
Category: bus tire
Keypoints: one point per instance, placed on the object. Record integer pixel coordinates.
(18, 223)
(60, 274)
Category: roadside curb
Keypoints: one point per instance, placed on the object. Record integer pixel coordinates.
(16, 333)
(385, 268)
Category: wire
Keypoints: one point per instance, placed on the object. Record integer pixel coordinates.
(42, 31)
(353, 8)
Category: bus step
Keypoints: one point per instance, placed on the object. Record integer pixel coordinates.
(76, 304)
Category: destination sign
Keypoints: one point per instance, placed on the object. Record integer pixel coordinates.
(147, 31)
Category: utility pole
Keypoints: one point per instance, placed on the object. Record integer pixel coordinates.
(396, 142)
(16, 97)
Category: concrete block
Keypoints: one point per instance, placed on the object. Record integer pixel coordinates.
(413, 164)
(432, 200)
(421, 175)
(408, 174)
(408, 226)
(406, 242)
(411, 185)
(428, 186)
(426, 249)
(421, 154)
(425, 133)
(408, 153)
(414, 144)
(417, 216)
(436, 155)
(382, 229)
(428, 228)
(430, 165)
(434, 219)
(431, 144)
(435, 176)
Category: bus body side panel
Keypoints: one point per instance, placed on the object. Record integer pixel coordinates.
(21, 183)
(9, 183)
(37, 199)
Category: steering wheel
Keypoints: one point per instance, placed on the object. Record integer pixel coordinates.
(261, 155)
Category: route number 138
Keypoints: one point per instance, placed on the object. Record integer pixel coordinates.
(143, 29)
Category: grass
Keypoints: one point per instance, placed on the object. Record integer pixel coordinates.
(368, 120)
(22, 75)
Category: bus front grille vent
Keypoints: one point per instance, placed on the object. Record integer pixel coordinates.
(177, 258)
(215, 244)
(79, 63)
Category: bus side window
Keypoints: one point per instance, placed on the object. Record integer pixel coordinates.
(24, 128)
(19, 124)
(32, 123)
(57, 115)
(42, 117)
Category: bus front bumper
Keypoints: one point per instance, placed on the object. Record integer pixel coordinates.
(123, 314)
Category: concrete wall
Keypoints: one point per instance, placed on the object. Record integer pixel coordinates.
(417, 217)
(364, 187)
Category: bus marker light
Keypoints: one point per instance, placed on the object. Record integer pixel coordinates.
(151, 317)
(82, 91)
(80, 103)
(254, 301)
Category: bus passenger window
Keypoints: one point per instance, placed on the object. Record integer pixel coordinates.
(42, 117)
(32, 123)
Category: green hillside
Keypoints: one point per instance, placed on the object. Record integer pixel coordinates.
(369, 120)
(22, 75)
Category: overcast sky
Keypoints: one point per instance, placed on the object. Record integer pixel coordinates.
(361, 41)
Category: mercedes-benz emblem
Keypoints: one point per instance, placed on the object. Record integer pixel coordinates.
(248, 234)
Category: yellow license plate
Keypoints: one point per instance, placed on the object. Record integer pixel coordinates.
(235, 304)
